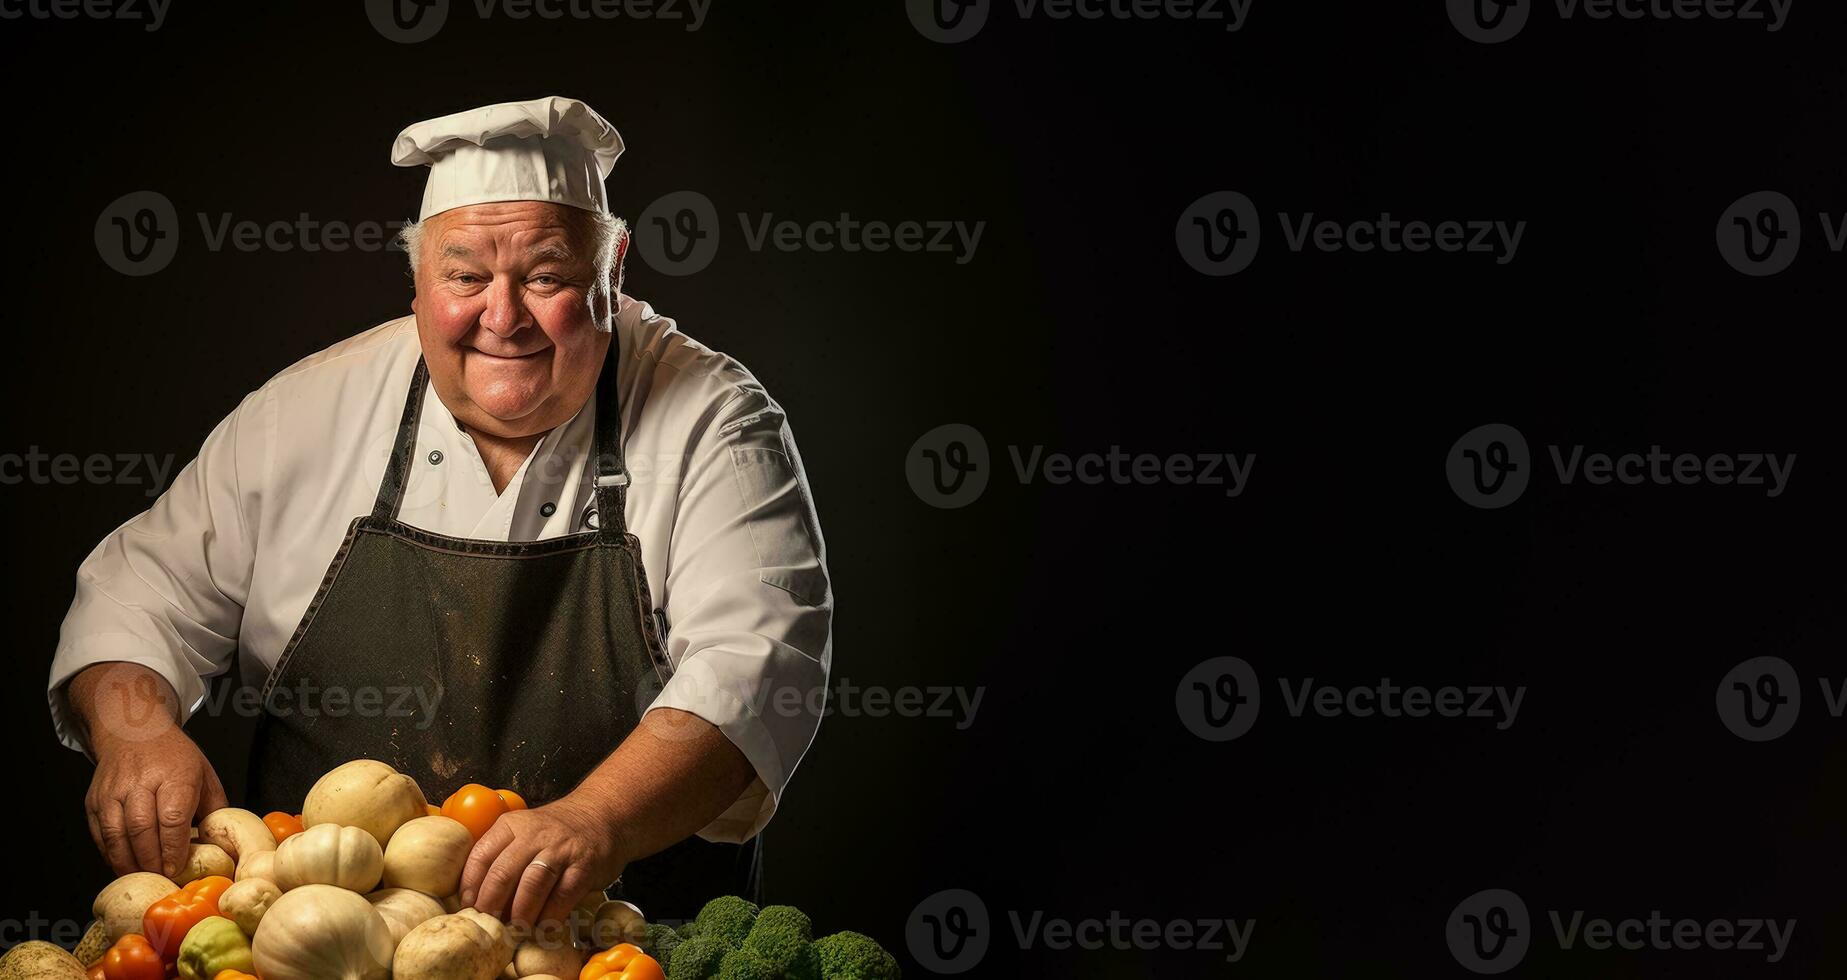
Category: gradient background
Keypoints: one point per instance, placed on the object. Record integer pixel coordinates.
(1077, 326)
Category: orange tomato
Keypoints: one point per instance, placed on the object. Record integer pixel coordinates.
(476, 807)
(133, 958)
(281, 825)
(623, 961)
(513, 800)
(97, 972)
(434, 810)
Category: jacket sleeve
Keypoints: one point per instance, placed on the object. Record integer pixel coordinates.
(166, 590)
(749, 602)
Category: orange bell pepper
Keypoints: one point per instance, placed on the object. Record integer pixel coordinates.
(281, 825)
(233, 975)
(133, 958)
(168, 920)
(623, 961)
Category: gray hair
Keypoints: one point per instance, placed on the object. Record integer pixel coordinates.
(606, 231)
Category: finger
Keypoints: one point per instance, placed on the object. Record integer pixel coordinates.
(174, 804)
(536, 884)
(501, 880)
(143, 828)
(482, 858)
(211, 795)
(96, 826)
(115, 837)
(573, 885)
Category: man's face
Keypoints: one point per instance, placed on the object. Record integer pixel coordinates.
(503, 308)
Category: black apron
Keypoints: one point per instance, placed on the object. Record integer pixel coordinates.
(539, 657)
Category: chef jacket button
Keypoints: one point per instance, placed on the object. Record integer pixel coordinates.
(548, 509)
(436, 456)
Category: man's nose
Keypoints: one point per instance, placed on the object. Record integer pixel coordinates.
(506, 313)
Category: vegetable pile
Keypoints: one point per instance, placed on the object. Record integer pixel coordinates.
(361, 885)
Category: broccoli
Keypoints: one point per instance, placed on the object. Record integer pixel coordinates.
(697, 959)
(661, 942)
(687, 930)
(781, 939)
(742, 964)
(851, 956)
(727, 919)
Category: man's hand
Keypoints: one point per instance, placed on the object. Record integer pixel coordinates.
(151, 780)
(533, 866)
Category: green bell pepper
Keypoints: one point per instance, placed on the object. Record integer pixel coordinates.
(215, 944)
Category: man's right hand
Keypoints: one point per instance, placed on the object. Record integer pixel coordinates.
(151, 780)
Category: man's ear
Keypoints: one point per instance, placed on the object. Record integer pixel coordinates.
(615, 272)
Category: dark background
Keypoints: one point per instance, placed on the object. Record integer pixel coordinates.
(1077, 326)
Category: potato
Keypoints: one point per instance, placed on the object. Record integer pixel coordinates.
(261, 865)
(451, 947)
(366, 794)
(428, 854)
(245, 902)
(123, 902)
(533, 959)
(34, 960)
(205, 859)
(618, 922)
(241, 834)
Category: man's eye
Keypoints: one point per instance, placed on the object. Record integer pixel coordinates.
(547, 280)
(467, 278)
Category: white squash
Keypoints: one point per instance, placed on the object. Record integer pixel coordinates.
(246, 902)
(618, 922)
(451, 947)
(345, 857)
(365, 794)
(261, 865)
(203, 860)
(428, 854)
(242, 834)
(124, 902)
(319, 932)
(404, 909)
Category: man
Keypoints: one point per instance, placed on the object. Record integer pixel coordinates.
(429, 538)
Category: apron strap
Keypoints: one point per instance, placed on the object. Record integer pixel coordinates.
(612, 477)
(397, 468)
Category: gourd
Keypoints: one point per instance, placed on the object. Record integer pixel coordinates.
(259, 866)
(240, 833)
(428, 854)
(366, 794)
(246, 902)
(346, 857)
(320, 932)
(124, 902)
(204, 860)
(404, 909)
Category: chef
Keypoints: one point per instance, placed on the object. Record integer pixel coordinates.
(531, 536)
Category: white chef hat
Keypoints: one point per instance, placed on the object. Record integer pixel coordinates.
(551, 149)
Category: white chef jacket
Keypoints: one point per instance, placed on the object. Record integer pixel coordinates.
(227, 560)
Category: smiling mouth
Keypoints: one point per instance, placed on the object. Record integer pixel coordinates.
(511, 357)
